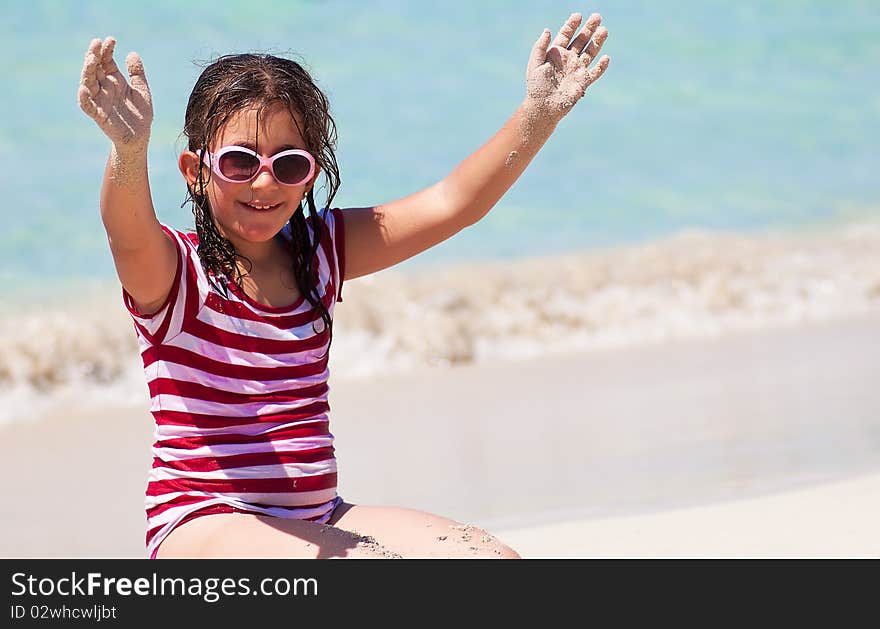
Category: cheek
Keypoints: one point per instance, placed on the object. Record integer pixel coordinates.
(218, 198)
(212, 199)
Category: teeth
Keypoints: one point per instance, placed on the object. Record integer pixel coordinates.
(261, 207)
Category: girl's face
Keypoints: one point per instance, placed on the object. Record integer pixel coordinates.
(251, 213)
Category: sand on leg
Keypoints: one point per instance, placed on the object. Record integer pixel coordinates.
(240, 535)
(418, 534)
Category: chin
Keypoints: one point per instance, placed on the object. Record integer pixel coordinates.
(260, 234)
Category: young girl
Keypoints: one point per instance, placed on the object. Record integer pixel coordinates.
(234, 322)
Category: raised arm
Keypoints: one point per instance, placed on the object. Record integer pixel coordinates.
(145, 257)
(556, 78)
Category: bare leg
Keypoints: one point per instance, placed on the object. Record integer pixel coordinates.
(417, 534)
(238, 535)
(354, 531)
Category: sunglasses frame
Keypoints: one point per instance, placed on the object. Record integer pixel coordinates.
(212, 161)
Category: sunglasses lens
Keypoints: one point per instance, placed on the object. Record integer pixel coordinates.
(292, 169)
(238, 165)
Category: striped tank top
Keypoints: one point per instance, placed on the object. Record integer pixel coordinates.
(239, 391)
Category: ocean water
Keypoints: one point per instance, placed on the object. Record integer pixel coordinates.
(721, 115)
(723, 174)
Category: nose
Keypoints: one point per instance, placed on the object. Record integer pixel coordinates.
(263, 178)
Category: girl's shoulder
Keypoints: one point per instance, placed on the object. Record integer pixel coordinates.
(181, 237)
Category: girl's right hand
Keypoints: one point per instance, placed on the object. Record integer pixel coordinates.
(123, 112)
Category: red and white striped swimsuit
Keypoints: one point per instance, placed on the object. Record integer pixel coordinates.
(239, 394)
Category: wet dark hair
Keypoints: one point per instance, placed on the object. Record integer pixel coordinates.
(234, 83)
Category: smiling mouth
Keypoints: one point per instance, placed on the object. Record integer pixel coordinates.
(261, 207)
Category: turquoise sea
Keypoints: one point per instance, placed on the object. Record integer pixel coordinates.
(733, 116)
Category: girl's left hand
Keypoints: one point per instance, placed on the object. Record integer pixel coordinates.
(559, 77)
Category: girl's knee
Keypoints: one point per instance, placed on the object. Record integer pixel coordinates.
(499, 550)
(508, 553)
(418, 534)
(481, 544)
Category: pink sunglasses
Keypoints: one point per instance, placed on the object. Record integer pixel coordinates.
(237, 164)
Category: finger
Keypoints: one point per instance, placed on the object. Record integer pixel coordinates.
(89, 78)
(91, 58)
(563, 37)
(92, 110)
(94, 49)
(539, 50)
(86, 103)
(583, 38)
(598, 70)
(595, 45)
(92, 85)
(107, 61)
(136, 74)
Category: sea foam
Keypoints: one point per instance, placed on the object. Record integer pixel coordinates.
(695, 284)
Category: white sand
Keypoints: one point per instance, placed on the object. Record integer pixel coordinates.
(831, 520)
(759, 444)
